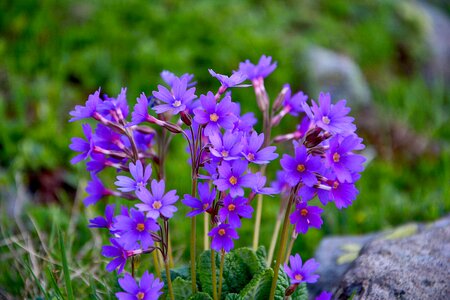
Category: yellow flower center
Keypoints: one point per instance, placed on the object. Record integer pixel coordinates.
(205, 206)
(224, 153)
(326, 120)
(221, 231)
(140, 295)
(335, 185)
(304, 212)
(140, 226)
(176, 103)
(214, 117)
(336, 157)
(301, 167)
(231, 207)
(251, 156)
(157, 204)
(298, 277)
(233, 180)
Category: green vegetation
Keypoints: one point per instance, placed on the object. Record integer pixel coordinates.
(54, 53)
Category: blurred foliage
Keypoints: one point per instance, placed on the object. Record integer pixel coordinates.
(53, 54)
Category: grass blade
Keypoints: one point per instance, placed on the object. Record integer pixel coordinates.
(38, 282)
(65, 268)
(54, 284)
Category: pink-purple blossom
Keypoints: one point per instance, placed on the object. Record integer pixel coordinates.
(139, 180)
(232, 177)
(176, 100)
(299, 272)
(305, 216)
(148, 288)
(203, 202)
(234, 209)
(222, 237)
(156, 203)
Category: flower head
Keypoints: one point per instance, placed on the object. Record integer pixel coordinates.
(148, 288)
(140, 111)
(228, 82)
(301, 167)
(227, 146)
(341, 193)
(214, 115)
(201, 204)
(324, 296)
(222, 237)
(299, 273)
(170, 78)
(259, 186)
(86, 147)
(306, 216)
(176, 100)
(252, 152)
(156, 203)
(294, 104)
(234, 209)
(120, 256)
(119, 105)
(261, 70)
(104, 222)
(90, 108)
(232, 177)
(96, 191)
(140, 178)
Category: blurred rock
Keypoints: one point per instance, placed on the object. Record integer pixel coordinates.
(338, 74)
(389, 263)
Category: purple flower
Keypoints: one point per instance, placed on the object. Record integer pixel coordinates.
(84, 146)
(300, 167)
(204, 202)
(140, 111)
(156, 203)
(175, 101)
(228, 82)
(234, 209)
(169, 78)
(104, 222)
(252, 153)
(299, 273)
(213, 115)
(231, 177)
(293, 104)
(341, 193)
(119, 105)
(324, 296)
(259, 186)
(140, 178)
(306, 216)
(227, 146)
(120, 256)
(222, 237)
(90, 108)
(96, 191)
(280, 185)
(261, 70)
(341, 160)
(329, 117)
(149, 288)
(135, 228)
(107, 138)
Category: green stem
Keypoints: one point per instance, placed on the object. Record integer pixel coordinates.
(284, 236)
(169, 281)
(156, 263)
(274, 240)
(291, 245)
(222, 260)
(213, 269)
(193, 240)
(205, 232)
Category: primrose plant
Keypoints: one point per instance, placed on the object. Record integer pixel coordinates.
(228, 160)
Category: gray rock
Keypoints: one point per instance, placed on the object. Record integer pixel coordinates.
(338, 74)
(415, 267)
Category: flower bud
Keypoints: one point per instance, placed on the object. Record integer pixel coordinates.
(186, 118)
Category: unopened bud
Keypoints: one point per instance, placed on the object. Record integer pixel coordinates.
(313, 137)
(186, 118)
(174, 128)
(291, 289)
(280, 98)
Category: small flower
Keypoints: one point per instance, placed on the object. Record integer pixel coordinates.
(341, 160)
(324, 296)
(261, 70)
(140, 111)
(175, 101)
(227, 146)
(259, 187)
(299, 273)
(119, 105)
(169, 78)
(330, 117)
(134, 228)
(293, 104)
(204, 202)
(341, 193)
(149, 288)
(252, 150)
(104, 222)
(306, 216)
(300, 167)
(140, 178)
(120, 256)
(234, 209)
(231, 177)
(228, 82)
(90, 108)
(96, 191)
(214, 116)
(86, 147)
(222, 237)
(156, 203)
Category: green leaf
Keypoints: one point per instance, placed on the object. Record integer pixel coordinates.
(258, 287)
(54, 284)
(36, 280)
(233, 296)
(182, 289)
(236, 273)
(250, 259)
(200, 296)
(261, 255)
(65, 268)
(204, 271)
(282, 285)
(301, 293)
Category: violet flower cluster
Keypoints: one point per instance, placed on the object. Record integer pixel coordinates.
(228, 159)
